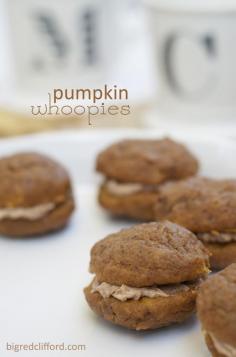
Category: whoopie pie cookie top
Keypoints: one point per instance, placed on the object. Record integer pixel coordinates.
(30, 179)
(199, 204)
(149, 254)
(216, 305)
(146, 161)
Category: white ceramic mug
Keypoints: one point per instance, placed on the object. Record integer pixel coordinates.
(57, 42)
(195, 52)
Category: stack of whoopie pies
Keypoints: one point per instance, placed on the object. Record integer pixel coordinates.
(149, 275)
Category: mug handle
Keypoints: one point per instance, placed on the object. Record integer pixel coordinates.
(207, 43)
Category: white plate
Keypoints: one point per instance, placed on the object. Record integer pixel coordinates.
(41, 298)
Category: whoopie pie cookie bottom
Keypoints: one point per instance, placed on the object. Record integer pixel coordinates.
(146, 313)
(222, 255)
(137, 205)
(55, 219)
(222, 247)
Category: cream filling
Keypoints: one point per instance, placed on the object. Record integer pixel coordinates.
(223, 348)
(217, 237)
(125, 292)
(30, 213)
(125, 189)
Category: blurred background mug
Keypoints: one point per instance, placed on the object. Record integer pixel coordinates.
(72, 43)
(57, 42)
(195, 56)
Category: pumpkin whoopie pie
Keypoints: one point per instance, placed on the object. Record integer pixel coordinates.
(207, 207)
(216, 305)
(146, 276)
(35, 195)
(133, 171)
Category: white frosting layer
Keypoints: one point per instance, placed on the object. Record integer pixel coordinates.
(30, 213)
(125, 189)
(125, 292)
(223, 348)
(217, 237)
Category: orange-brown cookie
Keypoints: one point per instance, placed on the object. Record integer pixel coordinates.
(146, 276)
(133, 171)
(148, 254)
(222, 255)
(145, 313)
(216, 305)
(35, 195)
(138, 205)
(207, 207)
